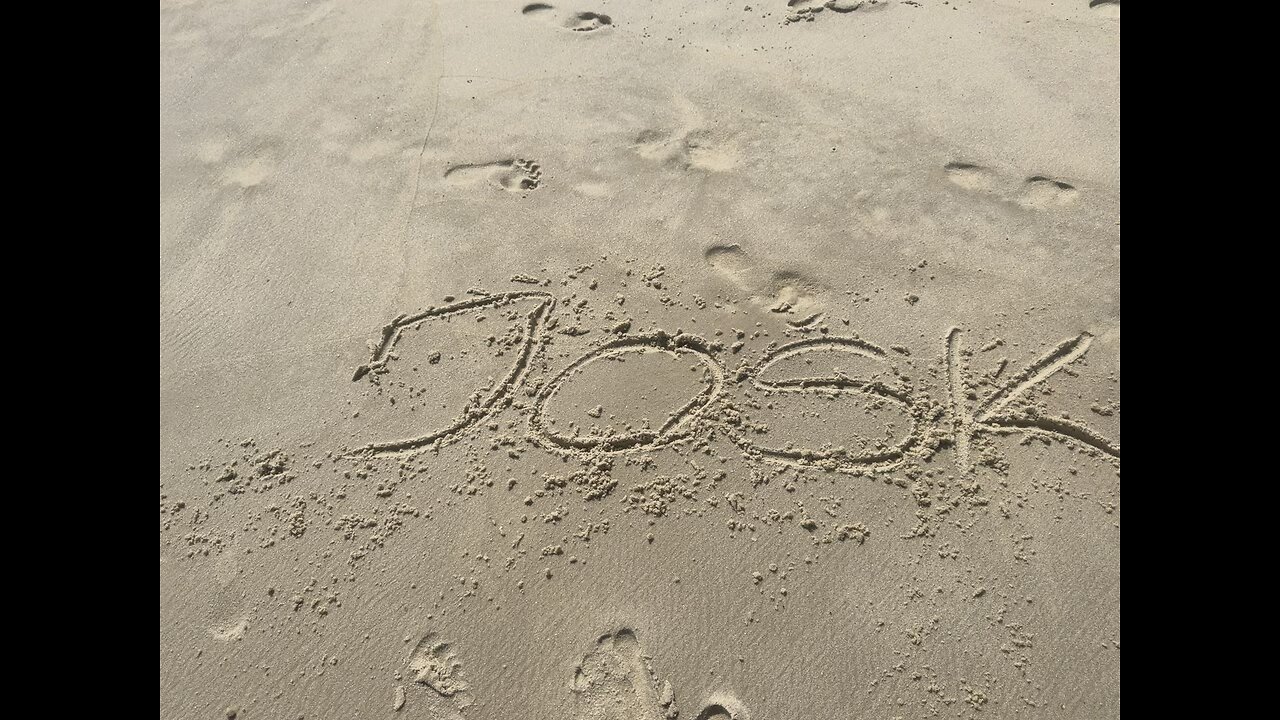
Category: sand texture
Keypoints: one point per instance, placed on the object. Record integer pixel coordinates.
(639, 360)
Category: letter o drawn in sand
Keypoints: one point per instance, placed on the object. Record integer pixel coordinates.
(679, 425)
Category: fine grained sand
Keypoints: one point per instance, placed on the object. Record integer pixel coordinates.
(711, 360)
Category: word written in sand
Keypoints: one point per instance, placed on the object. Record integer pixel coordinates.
(961, 421)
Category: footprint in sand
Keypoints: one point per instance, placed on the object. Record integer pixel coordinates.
(433, 667)
(1036, 193)
(848, 6)
(786, 292)
(615, 681)
(690, 150)
(242, 164)
(723, 707)
(1106, 8)
(1043, 193)
(970, 176)
(730, 260)
(583, 22)
(512, 175)
(808, 10)
(231, 630)
(249, 173)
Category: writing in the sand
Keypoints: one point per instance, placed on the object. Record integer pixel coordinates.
(961, 420)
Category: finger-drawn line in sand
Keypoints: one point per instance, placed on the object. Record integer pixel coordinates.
(679, 425)
(1065, 353)
(836, 383)
(1040, 424)
(485, 403)
(615, 681)
(961, 418)
(512, 175)
(432, 665)
(576, 21)
(992, 415)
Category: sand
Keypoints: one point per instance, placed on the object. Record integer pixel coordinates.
(639, 360)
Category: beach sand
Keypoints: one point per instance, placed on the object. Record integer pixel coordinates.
(639, 360)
